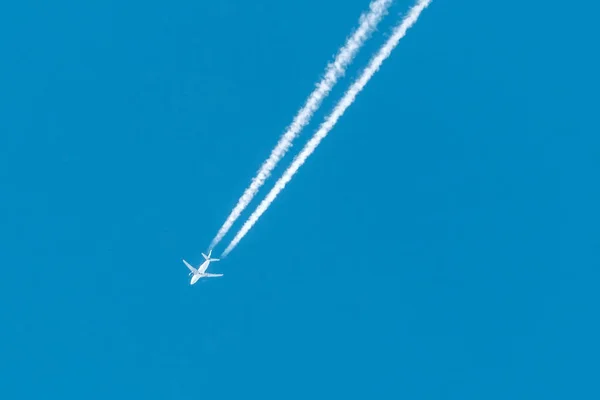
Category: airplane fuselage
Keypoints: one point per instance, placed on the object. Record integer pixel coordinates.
(200, 275)
(204, 266)
(195, 278)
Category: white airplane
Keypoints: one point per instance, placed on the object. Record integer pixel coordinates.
(201, 271)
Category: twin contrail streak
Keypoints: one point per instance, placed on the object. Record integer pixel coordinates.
(331, 120)
(368, 23)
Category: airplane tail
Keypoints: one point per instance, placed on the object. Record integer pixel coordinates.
(207, 257)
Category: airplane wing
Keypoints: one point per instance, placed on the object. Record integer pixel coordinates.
(212, 275)
(194, 270)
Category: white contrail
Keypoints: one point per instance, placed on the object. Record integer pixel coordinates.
(331, 120)
(368, 23)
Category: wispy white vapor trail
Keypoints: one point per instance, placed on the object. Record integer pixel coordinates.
(332, 119)
(368, 23)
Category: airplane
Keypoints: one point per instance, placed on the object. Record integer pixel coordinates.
(201, 271)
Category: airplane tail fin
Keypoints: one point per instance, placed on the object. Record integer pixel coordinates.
(207, 257)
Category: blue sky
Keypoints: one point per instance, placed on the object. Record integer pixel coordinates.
(442, 242)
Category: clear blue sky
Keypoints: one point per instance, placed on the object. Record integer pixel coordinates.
(442, 242)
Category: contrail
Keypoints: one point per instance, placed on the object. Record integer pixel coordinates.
(331, 120)
(368, 23)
